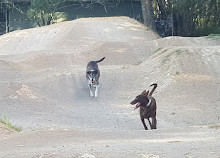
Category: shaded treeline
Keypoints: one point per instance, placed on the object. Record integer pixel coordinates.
(190, 17)
(182, 17)
(186, 17)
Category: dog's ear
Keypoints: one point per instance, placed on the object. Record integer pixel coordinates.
(146, 93)
(143, 92)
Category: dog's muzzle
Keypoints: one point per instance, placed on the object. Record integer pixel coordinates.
(137, 106)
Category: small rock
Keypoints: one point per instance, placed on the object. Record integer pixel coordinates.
(87, 156)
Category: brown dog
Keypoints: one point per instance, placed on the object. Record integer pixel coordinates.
(147, 106)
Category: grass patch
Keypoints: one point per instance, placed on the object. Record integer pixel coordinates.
(165, 60)
(165, 50)
(7, 124)
(161, 50)
(178, 51)
(177, 73)
(137, 63)
(213, 36)
(157, 50)
(167, 57)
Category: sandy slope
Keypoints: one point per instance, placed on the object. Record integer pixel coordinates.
(43, 90)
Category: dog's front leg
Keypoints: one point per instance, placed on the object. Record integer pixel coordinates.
(142, 120)
(96, 90)
(90, 90)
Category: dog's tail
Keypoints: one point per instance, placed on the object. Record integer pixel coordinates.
(155, 86)
(100, 60)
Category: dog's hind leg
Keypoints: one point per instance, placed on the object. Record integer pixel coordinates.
(150, 123)
(154, 123)
(96, 90)
(142, 120)
(90, 90)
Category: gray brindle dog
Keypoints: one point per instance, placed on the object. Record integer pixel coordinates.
(92, 76)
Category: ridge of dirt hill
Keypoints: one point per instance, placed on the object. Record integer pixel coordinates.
(188, 41)
(189, 79)
(69, 35)
(79, 41)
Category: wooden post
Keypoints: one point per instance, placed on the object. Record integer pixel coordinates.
(6, 19)
(172, 21)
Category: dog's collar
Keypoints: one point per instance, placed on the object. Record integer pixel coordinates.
(148, 104)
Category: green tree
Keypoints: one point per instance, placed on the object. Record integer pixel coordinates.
(190, 17)
(44, 12)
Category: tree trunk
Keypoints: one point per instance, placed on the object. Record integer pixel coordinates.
(49, 20)
(147, 11)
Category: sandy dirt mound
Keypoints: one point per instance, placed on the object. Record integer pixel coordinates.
(44, 90)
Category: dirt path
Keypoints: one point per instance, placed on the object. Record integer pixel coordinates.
(190, 142)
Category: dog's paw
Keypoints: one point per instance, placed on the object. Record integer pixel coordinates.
(91, 94)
